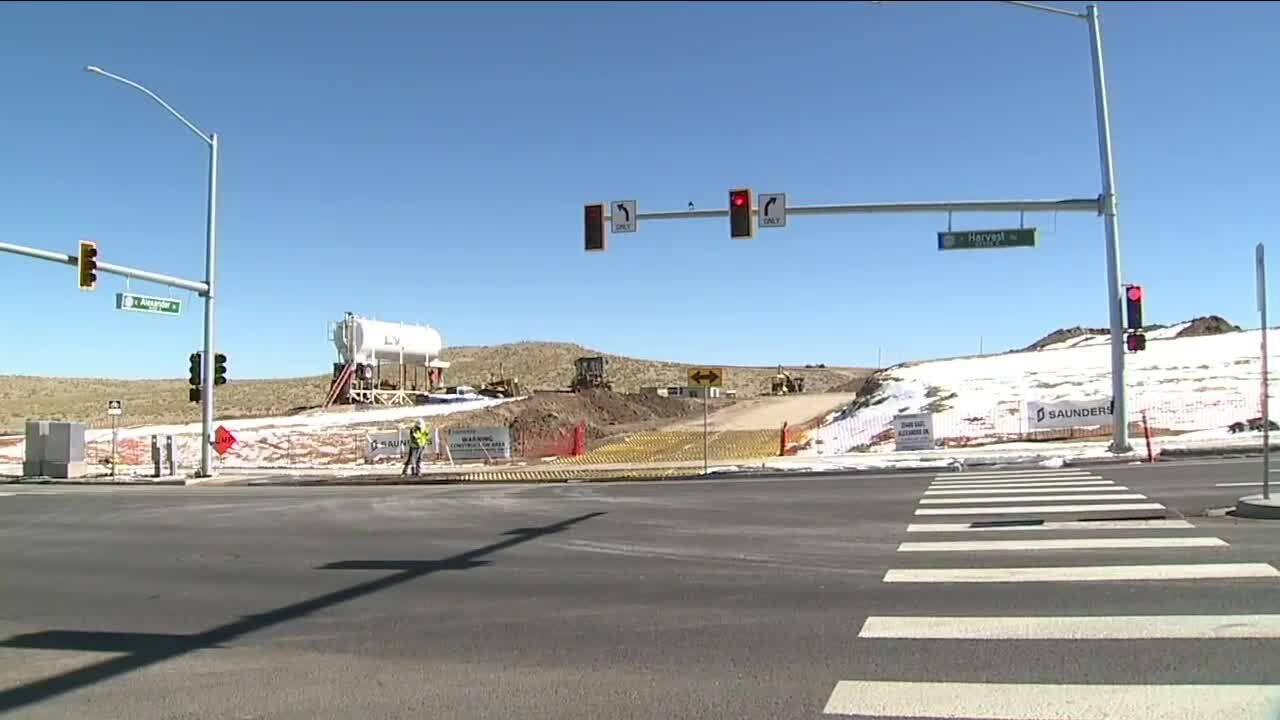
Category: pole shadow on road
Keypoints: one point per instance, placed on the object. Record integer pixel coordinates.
(145, 649)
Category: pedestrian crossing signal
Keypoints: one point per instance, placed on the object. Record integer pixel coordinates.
(87, 264)
(1136, 342)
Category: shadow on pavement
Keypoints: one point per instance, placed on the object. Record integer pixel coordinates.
(145, 649)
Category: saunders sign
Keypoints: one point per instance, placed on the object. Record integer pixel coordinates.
(1069, 414)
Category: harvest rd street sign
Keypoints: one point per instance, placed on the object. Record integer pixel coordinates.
(622, 213)
(773, 210)
(149, 304)
(115, 407)
(223, 440)
(986, 239)
(706, 377)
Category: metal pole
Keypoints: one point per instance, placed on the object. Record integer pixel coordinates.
(106, 267)
(114, 434)
(1266, 392)
(706, 391)
(211, 234)
(1120, 425)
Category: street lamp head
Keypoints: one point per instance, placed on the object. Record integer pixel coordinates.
(93, 69)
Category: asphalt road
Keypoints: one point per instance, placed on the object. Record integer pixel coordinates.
(779, 598)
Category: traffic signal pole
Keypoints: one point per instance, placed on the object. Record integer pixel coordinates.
(206, 390)
(122, 270)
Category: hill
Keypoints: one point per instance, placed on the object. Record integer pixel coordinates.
(1209, 325)
(538, 365)
(549, 366)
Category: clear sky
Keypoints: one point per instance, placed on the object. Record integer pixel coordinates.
(429, 163)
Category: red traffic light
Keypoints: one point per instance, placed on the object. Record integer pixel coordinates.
(1135, 293)
(740, 225)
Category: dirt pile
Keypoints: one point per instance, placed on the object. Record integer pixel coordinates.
(546, 415)
(1211, 325)
(1062, 335)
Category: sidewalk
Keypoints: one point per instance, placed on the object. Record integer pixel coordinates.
(1040, 454)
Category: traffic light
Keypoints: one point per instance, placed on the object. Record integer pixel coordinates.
(1136, 342)
(1133, 306)
(593, 227)
(219, 369)
(740, 225)
(88, 264)
(196, 371)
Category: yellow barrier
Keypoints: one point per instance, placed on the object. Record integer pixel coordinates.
(681, 447)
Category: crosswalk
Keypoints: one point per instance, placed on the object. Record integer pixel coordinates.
(1065, 530)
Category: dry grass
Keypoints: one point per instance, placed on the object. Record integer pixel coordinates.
(538, 365)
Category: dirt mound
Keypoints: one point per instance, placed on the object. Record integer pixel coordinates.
(1211, 325)
(1062, 335)
(546, 415)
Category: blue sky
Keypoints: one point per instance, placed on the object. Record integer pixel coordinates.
(429, 163)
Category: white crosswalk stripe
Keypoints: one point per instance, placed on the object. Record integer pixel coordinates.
(988, 501)
(1049, 526)
(1025, 701)
(1036, 484)
(1083, 627)
(1083, 573)
(1061, 544)
(1040, 509)
(1022, 490)
(1029, 498)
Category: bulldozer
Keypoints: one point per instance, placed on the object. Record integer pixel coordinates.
(782, 383)
(501, 388)
(589, 373)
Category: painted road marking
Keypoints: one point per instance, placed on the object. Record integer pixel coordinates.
(1027, 701)
(1024, 490)
(1019, 484)
(1103, 627)
(1029, 498)
(1016, 486)
(1060, 525)
(1241, 484)
(967, 477)
(1012, 481)
(1084, 573)
(1037, 509)
(1061, 544)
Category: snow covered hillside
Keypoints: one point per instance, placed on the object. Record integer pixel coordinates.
(1183, 384)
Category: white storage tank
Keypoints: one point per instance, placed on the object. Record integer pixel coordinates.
(364, 340)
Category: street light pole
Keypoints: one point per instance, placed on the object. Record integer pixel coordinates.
(1115, 298)
(1120, 417)
(210, 239)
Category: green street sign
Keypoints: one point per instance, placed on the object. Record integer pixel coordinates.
(148, 304)
(986, 239)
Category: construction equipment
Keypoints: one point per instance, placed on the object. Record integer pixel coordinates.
(589, 373)
(501, 388)
(782, 383)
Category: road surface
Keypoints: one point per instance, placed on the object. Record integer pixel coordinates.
(785, 598)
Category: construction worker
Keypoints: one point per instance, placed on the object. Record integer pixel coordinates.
(418, 437)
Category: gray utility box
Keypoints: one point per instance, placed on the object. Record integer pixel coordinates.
(54, 449)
